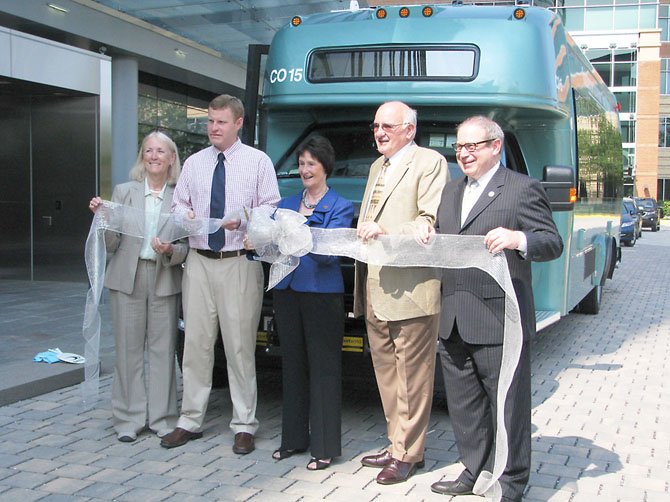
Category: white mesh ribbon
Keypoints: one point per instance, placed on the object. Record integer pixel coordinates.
(443, 251)
(281, 241)
(129, 221)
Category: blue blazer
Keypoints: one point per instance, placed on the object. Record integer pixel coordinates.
(319, 273)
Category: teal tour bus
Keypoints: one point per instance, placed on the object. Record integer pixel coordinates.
(327, 73)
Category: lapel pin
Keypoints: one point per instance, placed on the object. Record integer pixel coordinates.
(491, 193)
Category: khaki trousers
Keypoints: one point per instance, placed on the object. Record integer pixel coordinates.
(403, 354)
(225, 294)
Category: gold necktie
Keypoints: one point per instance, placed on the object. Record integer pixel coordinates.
(377, 192)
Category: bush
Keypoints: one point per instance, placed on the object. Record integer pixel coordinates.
(665, 208)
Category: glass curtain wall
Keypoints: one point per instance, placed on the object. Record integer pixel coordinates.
(616, 66)
(177, 113)
(607, 15)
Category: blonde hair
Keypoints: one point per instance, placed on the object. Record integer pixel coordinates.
(138, 172)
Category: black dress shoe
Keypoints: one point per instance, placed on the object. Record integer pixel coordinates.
(396, 472)
(244, 443)
(456, 487)
(179, 437)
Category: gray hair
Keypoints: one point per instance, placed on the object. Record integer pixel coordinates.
(138, 172)
(492, 129)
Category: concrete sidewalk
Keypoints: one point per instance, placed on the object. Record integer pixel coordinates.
(35, 317)
(601, 423)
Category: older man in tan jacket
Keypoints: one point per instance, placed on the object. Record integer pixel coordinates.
(401, 305)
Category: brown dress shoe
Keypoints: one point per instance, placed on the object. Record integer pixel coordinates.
(179, 437)
(244, 443)
(379, 460)
(396, 472)
(451, 488)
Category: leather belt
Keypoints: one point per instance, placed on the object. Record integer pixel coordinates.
(219, 255)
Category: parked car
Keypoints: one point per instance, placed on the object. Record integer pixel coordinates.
(650, 213)
(631, 208)
(630, 223)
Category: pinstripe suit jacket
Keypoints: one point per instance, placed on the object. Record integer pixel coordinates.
(124, 250)
(470, 297)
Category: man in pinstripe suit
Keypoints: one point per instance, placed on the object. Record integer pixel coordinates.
(513, 213)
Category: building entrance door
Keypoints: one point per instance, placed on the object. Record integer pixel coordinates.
(51, 162)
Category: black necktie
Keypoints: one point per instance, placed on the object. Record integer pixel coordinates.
(217, 204)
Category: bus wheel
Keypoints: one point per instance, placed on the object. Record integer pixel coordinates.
(591, 302)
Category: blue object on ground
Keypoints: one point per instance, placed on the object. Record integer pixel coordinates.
(46, 357)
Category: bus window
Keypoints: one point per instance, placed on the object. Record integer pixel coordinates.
(453, 62)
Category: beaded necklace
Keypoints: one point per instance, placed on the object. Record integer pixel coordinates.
(312, 206)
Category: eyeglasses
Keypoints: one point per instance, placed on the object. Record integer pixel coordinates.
(386, 127)
(470, 147)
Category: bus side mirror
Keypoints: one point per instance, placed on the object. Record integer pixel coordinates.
(559, 183)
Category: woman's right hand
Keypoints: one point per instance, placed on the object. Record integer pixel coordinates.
(95, 203)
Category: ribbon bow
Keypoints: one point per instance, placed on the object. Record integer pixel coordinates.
(280, 240)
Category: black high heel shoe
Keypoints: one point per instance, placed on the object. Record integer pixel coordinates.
(318, 464)
(280, 454)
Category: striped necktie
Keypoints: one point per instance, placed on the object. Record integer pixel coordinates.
(377, 192)
(217, 204)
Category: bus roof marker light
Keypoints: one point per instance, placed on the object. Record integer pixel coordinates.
(296, 21)
(404, 12)
(427, 11)
(381, 13)
(519, 14)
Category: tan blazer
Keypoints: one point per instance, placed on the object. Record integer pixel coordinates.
(124, 251)
(411, 196)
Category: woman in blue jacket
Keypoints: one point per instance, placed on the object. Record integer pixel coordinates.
(309, 312)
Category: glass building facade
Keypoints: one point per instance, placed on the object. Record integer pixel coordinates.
(609, 33)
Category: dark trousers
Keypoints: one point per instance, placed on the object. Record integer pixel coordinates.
(471, 382)
(311, 327)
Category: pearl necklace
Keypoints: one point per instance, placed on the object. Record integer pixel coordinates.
(312, 206)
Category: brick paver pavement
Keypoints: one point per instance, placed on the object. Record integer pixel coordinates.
(601, 424)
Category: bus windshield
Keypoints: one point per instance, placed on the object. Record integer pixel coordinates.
(355, 149)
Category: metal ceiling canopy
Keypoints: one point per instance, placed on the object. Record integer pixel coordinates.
(227, 26)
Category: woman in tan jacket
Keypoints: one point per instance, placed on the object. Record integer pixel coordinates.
(144, 279)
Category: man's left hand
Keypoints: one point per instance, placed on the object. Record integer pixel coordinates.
(502, 238)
